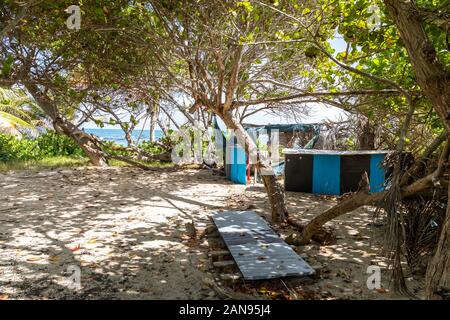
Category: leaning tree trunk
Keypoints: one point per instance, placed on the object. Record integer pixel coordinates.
(273, 188)
(433, 77)
(364, 197)
(438, 271)
(90, 145)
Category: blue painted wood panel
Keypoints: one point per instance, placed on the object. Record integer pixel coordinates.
(326, 174)
(377, 173)
(239, 165)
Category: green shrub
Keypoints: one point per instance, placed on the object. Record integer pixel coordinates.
(53, 144)
(49, 144)
(152, 147)
(15, 149)
(163, 145)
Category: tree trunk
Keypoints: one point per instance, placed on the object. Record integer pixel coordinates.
(275, 193)
(131, 161)
(438, 271)
(163, 127)
(273, 188)
(90, 145)
(430, 73)
(420, 164)
(153, 120)
(128, 136)
(140, 154)
(367, 137)
(434, 79)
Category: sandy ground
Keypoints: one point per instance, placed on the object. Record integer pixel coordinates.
(125, 229)
(342, 266)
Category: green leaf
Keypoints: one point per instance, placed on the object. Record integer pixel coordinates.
(6, 66)
(13, 120)
(246, 5)
(306, 11)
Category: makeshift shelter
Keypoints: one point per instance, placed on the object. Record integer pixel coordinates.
(332, 172)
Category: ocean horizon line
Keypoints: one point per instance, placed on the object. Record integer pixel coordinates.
(118, 135)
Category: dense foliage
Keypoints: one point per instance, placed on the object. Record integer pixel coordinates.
(51, 144)
(46, 145)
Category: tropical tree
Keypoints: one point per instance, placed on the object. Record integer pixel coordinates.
(410, 55)
(17, 112)
(238, 57)
(431, 68)
(224, 58)
(58, 66)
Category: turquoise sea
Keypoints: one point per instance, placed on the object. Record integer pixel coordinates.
(117, 135)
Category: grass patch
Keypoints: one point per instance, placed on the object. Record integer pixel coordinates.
(66, 162)
(45, 163)
(155, 164)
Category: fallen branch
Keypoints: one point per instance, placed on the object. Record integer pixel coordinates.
(132, 162)
(323, 235)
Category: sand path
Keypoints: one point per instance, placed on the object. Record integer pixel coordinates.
(123, 227)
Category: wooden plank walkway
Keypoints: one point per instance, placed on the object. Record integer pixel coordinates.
(258, 251)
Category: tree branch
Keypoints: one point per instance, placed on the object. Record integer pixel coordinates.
(316, 94)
